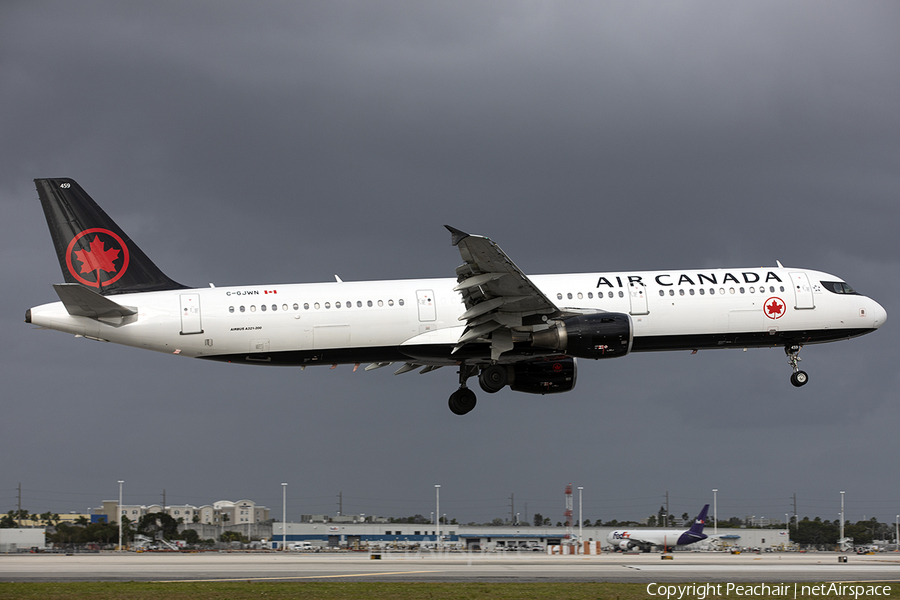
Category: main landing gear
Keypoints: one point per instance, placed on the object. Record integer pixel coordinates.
(463, 399)
(798, 378)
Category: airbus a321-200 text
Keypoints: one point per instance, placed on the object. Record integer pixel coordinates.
(492, 321)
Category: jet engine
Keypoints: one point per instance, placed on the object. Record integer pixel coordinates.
(601, 335)
(625, 545)
(549, 375)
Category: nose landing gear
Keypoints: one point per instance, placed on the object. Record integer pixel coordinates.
(798, 377)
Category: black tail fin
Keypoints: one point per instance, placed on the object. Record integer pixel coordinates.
(92, 249)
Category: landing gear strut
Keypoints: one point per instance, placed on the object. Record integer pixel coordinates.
(798, 378)
(463, 399)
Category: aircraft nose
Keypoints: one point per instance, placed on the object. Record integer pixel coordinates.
(879, 315)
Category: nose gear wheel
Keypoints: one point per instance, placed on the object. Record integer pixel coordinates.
(798, 377)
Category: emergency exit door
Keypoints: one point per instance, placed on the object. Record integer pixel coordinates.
(190, 314)
(425, 300)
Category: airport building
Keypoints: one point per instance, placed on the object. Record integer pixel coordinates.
(489, 538)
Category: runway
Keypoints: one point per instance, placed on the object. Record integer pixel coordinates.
(427, 566)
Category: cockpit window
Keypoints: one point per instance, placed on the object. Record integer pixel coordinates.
(839, 287)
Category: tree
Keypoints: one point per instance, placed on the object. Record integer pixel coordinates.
(815, 532)
(158, 522)
(232, 536)
(190, 536)
(538, 519)
(587, 522)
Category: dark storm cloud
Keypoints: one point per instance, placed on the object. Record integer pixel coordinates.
(275, 142)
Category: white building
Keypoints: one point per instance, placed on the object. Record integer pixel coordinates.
(223, 512)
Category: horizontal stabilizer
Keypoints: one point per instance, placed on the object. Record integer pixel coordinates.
(82, 302)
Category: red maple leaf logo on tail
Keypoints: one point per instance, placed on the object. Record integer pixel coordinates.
(98, 258)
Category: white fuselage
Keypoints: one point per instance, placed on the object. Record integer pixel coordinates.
(375, 321)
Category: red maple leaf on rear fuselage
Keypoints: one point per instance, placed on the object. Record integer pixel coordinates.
(97, 258)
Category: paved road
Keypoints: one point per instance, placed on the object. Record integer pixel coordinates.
(643, 568)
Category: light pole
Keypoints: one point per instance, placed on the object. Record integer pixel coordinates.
(437, 512)
(715, 511)
(120, 514)
(283, 516)
(842, 519)
(786, 520)
(580, 524)
(897, 532)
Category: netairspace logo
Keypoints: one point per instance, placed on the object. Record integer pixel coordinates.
(700, 591)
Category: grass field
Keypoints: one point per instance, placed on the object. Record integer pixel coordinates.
(359, 590)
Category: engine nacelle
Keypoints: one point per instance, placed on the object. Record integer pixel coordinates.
(550, 375)
(602, 335)
(625, 545)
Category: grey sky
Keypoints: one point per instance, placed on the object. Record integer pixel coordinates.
(286, 142)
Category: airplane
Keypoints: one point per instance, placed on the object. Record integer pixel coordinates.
(491, 321)
(644, 539)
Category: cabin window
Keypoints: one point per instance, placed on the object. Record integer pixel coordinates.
(692, 291)
(400, 302)
(231, 309)
(275, 307)
(381, 303)
(681, 292)
(306, 306)
(349, 304)
(621, 294)
(671, 292)
(336, 305)
(316, 305)
(662, 292)
(702, 291)
(327, 305)
(359, 304)
(252, 308)
(741, 290)
(559, 296)
(296, 306)
(369, 304)
(590, 294)
(781, 288)
(390, 302)
(242, 308)
(262, 307)
(610, 294)
(580, 295)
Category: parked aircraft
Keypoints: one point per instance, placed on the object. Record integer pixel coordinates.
(491, 321)
(645, 539)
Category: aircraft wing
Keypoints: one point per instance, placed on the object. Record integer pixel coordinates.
(498, 296)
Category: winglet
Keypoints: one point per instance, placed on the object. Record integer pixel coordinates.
(456, 235)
